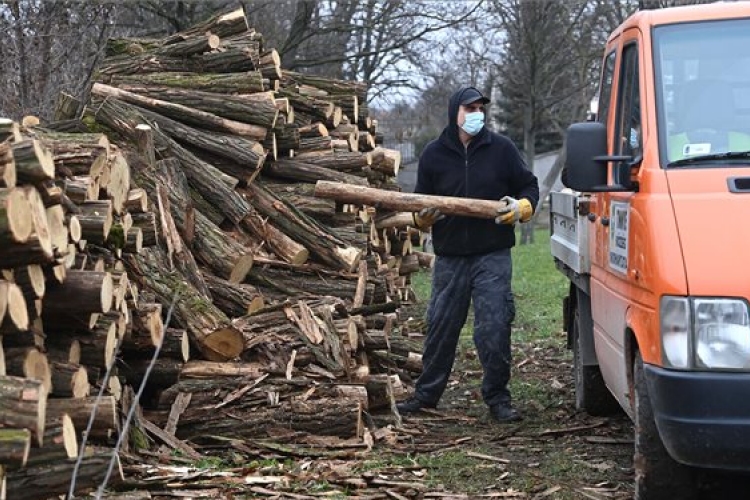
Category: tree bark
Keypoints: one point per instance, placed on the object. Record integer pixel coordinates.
(82, 293)
(183, 113)
(260, 111)
(303, 171)
(15, 445)
(467, 207)
(234, 299)
(79, 410)
(247, 82)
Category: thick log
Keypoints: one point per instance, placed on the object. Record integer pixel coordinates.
(328, 417)
(48, 480)
(324, 245)
(188, 46)
(23, 405)
(175, 345)
(15, 445)
(259, 111)
(13, 307)
(221, 83)
(329, 85)
(16, 224)
(223, 25)
(343, 162)
(146, 222)
(209, 328)
(234, 299)
(449, 205)
(69, 380)
(79, 410)
(60, 443)
(146, 329)
(387, 161)
(33, 161)
(183, 113)
(28, 362)
(301, 171)
(82, 293)
(218, 250)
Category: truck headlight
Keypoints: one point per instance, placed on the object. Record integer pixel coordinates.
(705, 333)
(722, 334)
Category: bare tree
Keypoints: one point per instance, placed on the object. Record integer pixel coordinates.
(48, 46)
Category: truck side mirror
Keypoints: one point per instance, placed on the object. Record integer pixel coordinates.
(586, 159)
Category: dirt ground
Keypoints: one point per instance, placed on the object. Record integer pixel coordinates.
(554, 452)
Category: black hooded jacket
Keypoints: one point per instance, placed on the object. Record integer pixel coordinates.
(489, 168)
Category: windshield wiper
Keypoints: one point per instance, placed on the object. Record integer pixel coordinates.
(730, 155)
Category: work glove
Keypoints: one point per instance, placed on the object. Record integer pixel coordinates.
(425, 218)
(514, 211)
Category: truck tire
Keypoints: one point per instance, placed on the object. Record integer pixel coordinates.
(592, 395)
(657, 475)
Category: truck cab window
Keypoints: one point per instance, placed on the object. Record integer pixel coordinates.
(605, 88)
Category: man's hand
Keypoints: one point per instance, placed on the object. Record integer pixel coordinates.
(425, 218)
(514, 211)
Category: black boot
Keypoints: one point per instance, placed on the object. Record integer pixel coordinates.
(412, 405)
(504, 412)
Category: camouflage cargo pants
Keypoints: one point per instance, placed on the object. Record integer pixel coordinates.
(456, 282)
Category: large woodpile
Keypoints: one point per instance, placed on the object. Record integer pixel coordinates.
(191, 173)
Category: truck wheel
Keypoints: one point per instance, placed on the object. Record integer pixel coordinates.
(657, 475)
(592, 395)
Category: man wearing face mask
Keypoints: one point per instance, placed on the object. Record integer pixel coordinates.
(473, 261)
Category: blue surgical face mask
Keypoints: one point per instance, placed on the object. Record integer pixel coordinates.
(473, 123)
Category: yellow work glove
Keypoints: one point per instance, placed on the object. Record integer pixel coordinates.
(514, 211)
(425, 218)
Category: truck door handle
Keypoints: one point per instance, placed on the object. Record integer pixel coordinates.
(591, 217)
(604, 221)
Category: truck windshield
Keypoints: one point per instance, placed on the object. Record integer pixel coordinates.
(702, 80)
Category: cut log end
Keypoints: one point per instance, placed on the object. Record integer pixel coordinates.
(241, 269)
(16, 307)
(70, 443)
(351, 256)
(255, 305)
(17, 212)
(223, 344)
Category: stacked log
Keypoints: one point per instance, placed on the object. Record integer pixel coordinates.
(286, 303)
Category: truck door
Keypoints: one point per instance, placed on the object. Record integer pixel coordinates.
(610, 290)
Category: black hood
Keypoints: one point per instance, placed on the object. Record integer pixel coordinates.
(451, 131)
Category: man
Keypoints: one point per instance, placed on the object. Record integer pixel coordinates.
(473, 255)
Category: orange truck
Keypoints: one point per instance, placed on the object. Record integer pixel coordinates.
(654, 235)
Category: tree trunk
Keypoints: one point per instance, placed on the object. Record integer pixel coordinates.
(358, 195)
(183, 113)
(222, 83)
(79, 410)
(329, 417)
(260, 111)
